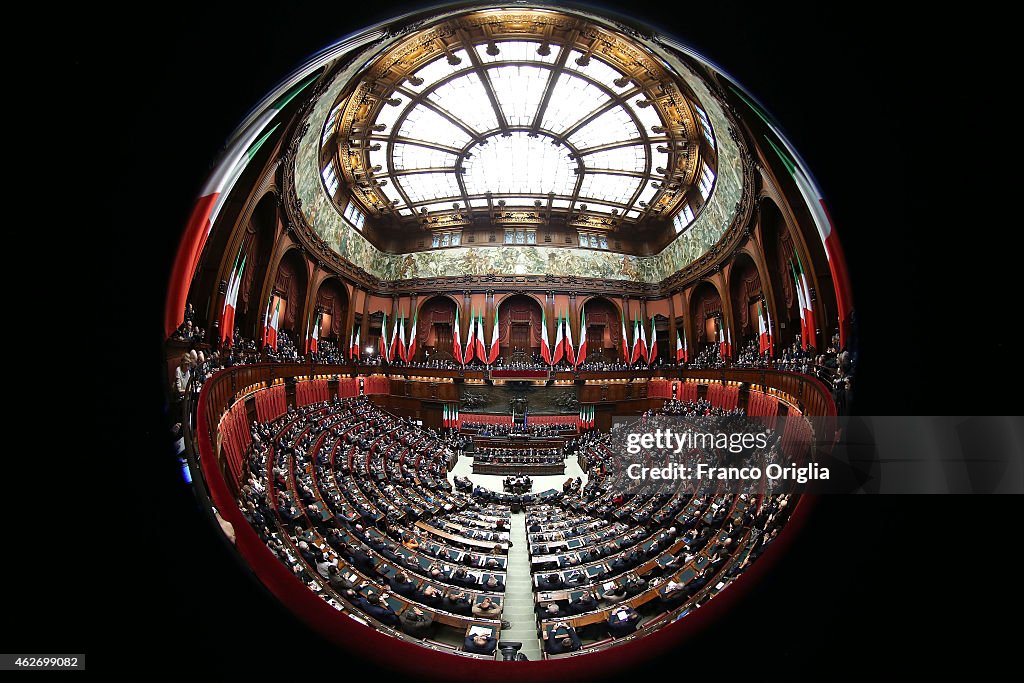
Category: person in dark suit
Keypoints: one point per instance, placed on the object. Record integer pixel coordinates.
(480, 644)
(562, 638)
(551, 582)
(585, 603)
(401, 584)
(457, 603)
(428, 595)
(416, 623)
(622, 621)
(378, 608)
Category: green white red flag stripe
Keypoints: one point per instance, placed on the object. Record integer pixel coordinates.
(394, 341)
(559, 341)
(652, 354)
(470, 337)
(570, 354)
(383, 341)
(819, 213)
(581, 353)
(410, 351)
(227, 318)
(481, 352)
(493, 354)
(545, 347)
(213, 196)
(457, 338)
(625, 339)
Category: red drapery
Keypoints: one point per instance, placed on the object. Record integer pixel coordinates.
(235, 440)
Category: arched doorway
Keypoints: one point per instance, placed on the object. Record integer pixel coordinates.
(778, 252)
(604, 330)
(288, 298)
(706, 313)
(745, 293)
(257, 251)
(331, 308)
(519, 322)
(435, 331)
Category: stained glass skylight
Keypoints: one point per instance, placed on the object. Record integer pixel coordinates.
(521, 121)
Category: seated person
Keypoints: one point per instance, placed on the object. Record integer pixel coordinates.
(550, 582)
(377, 607)
(429, 595)
(337, 579)
(415, 622)
(673, 594)
(615, 593)
(633, 586)
(575, 578)
(584, 603)
(462, 578)
(486, 609)
(480, 644)
(622, 621)
(561, 638)
(493, 584)
(401, 584)
(458, 603)
(551, 610)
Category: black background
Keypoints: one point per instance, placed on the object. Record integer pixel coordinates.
(890, 114)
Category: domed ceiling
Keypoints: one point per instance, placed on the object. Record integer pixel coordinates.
(519, 121)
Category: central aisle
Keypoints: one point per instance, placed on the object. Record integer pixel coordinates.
(518, 607)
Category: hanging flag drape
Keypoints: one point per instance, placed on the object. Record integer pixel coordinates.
(652, 355)
(559, 342)
(625, 340)
(545, 348)
(493, 354)
(457, 339)
(481, 351)
(581, 354)
(471, 338)
(410, 351)
(227, 318)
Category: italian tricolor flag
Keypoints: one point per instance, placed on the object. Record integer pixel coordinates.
(384, 337)
(470, 337)
(559, 341)
(652, 355)
(570, 354)
(807, 324)
(394, 341)
(314, 338)
(411, 350)
(493, 353)
(545, 348)
(212, 199)
(401, 339)
(581, 354)
(481, 352)
(270, 339)
(682, 356)
(725, 348)
(353, 347)
(227, 316)
(457, 339)
(625, 339)
(819, 213)
(764, 329)
(637, 348)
